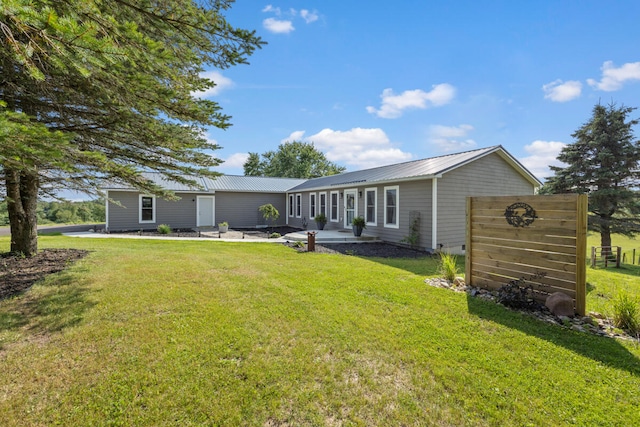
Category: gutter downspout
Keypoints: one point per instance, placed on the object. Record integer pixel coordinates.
(434, 212)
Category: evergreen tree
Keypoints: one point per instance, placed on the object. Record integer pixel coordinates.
(603, 162)
(292, 160)
(106, 90)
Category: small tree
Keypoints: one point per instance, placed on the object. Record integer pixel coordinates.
(269, 213)
(604, 163)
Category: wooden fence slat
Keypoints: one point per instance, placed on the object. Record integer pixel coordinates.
(554, 244)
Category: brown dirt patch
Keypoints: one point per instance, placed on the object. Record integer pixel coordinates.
(18, 274)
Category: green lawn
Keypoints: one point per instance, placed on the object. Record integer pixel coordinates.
(164, 333)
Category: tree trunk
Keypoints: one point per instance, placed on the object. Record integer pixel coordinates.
(605, 237)
(22, 203)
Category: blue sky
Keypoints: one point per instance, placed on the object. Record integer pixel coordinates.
(373, 83)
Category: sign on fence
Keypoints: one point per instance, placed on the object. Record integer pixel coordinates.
(534, 240)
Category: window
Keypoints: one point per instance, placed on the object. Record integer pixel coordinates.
(298, 205)
(391, 206)
(334, 206)
(371, 204)
(147, 209)
(323, 203)
(312, 205)
(290, 205)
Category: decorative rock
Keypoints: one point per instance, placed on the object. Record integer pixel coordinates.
(459, 281)
(560, 304)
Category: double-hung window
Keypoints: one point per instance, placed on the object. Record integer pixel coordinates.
(312, 205)
(298, 205)
(334, 207)
(371, 205)
(147, 212)
(323, 203)
(391, 201)
(291, 205)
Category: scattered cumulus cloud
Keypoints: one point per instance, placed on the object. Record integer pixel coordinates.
(449, 139)
(393, 105)
(278, 26)
(613, 78)
(221, 82)
(309, 16)
(358, 148)
(283, 23)
(235, 160)
(542, 154)
(559, 91)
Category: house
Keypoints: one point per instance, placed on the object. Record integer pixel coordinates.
(421, 201)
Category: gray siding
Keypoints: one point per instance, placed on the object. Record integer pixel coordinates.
(241, 209)
(176, 213)
(238, 209)
(412, 196)
(487, 176)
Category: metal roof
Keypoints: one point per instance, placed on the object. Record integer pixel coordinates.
(221, 183)
(416, 169)
(424, 168)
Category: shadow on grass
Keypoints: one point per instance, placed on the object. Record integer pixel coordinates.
(56, 303)
(625, 269)
(607, 351)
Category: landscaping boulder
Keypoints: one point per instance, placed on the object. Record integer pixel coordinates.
(560, 304)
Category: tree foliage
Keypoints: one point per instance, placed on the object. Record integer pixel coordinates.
(292, 160)
(108, 89)
(603, 162)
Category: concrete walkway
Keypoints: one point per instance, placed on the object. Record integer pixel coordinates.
(322, 236)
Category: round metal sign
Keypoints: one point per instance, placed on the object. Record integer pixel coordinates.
(520, 214)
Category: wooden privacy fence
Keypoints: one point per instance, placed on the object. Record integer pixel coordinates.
(534, 240)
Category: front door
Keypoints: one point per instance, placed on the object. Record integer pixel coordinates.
(350, 207)
(206, 212)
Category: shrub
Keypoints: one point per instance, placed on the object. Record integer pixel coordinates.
(626, 314)
(164, 229)
(448, 266)
(274, 235)
(359, 222)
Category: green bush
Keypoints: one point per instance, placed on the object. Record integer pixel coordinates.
(164, 229)
(448, 266)
(626, 314)
(274, 235)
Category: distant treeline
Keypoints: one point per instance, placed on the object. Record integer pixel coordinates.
(63, 212)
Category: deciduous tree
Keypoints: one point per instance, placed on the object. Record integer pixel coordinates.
(109, 89)
(292, 160)
(603, 162)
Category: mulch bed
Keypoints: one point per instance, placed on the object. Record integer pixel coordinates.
(18, 273)
(372, 249)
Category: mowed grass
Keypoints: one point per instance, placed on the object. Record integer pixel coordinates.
(159, 333)
(604, 284)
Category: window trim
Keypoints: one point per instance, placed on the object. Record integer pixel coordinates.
(375, 206)
(397, 222)
(153, 208)
(337, 218)
(290, 208)
(298, 205)
(313, 208)
(320, 210)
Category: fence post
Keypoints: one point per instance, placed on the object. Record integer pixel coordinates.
(618, 252)
(593, 256)
(633, 259)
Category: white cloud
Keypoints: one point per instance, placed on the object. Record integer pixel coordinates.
(235, 160)
(278, 26)
(451, 138)
(295, 136)
(613, 78)
(221, 82)
(308, 16)
(394, 105)
(270, 8)
(542, 154)
(359, 148)
(559, 91)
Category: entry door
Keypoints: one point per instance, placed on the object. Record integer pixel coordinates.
(350, 207)
(206, 211)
